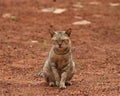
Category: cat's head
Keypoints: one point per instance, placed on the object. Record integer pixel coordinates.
(61, 39)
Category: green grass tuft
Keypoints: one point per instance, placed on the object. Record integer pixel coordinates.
(13, 18)
(44, 44)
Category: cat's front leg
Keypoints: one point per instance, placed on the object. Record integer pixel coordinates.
(63, 80)
(56, 75)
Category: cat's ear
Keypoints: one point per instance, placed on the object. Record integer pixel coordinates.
(51, 30)
(68, 31)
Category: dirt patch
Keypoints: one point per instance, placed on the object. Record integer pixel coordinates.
(25, 43)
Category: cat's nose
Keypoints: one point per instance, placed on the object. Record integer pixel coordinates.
(60, 45)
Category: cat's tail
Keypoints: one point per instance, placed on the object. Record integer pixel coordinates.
(40, 74)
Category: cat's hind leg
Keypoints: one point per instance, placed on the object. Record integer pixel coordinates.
(49, 79)
(51, 84)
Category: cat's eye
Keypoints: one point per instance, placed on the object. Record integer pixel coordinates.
(66, 41)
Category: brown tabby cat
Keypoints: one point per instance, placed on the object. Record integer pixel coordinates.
(59, 66)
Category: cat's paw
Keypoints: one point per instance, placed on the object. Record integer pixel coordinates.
(62, 86)
(51, 84)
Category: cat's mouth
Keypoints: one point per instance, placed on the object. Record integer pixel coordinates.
(60, 46)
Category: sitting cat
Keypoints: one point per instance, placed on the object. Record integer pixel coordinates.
(59, 66)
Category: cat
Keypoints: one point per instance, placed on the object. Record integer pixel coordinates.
(59, 67)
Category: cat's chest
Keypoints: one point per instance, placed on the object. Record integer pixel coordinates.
(61, 61)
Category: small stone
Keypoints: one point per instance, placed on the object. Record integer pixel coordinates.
(59, 10)
(78, 6)
(114, 4)
(54, 10)
(6, 15)
(34, 41)
(78, 17)
(82, 22)
(94, 3)
(47, 10)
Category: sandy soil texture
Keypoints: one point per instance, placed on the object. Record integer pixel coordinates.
(25, 43)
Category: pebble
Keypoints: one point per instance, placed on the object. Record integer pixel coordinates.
(59, 10)
(94, 3)
(82, 22)
(34, 41)
(47, 10)
(54, 10)
(114, 4)
(6, 15)
(78, 6)
(78, 17)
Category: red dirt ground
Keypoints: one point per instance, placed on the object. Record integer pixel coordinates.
(96, 47)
